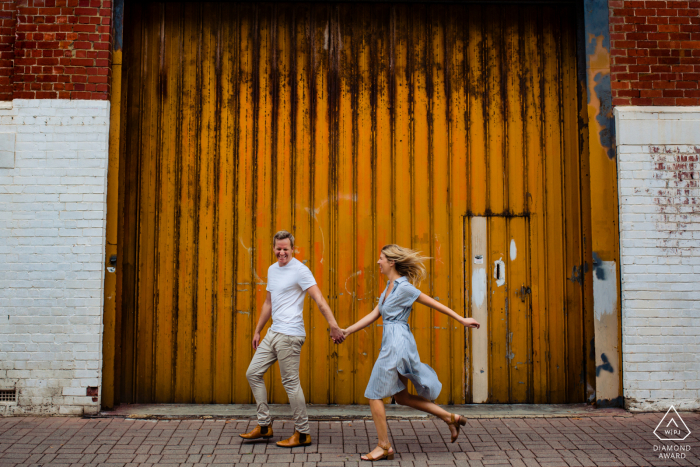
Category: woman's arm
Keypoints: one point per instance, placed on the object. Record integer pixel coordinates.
(364, 322)
(423, 299)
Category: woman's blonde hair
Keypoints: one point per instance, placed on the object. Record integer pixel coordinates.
(408, 263)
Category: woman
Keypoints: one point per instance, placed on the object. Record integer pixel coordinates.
(398, 358)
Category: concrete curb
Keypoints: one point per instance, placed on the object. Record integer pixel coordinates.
(354, 412)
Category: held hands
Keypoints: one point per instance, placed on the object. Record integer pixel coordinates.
(338, 335)
(344, 333)
(470, 323)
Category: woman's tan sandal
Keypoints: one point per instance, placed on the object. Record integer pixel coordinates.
(457, 424)
(385, 455)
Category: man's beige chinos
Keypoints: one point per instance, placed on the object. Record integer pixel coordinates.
(287, 350)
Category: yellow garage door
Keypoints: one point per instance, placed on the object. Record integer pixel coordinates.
(440, 127)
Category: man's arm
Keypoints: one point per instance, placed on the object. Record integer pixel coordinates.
(262, 321)
(315, 293)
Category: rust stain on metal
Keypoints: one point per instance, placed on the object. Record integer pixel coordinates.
(354, 126)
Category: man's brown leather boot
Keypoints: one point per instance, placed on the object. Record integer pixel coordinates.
(258, 432)
(297, 439)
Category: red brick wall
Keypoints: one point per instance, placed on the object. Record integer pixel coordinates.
(62, 49)
(655, 52)
(7, 48)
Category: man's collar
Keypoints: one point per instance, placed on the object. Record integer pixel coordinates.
(288, 263)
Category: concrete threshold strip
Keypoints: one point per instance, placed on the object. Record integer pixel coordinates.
(354, 412)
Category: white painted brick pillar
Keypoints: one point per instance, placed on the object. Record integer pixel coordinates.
(53, 177)
(659, 183)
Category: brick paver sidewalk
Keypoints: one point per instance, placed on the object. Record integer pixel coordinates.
(595, 441)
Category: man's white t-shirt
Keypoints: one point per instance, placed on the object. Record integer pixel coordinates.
(287, 286)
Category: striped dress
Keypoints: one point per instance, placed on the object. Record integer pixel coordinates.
(399, 354)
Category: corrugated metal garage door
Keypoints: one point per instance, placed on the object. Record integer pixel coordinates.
(432, 126)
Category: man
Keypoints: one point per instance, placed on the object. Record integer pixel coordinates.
(288, 281)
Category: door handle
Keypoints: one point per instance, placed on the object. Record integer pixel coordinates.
(524, 291)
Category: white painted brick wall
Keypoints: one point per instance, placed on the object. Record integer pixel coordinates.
(659, 188)
(52, 234)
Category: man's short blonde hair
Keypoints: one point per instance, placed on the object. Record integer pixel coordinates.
(281, 235)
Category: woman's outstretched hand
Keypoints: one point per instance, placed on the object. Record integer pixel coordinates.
(470, 323)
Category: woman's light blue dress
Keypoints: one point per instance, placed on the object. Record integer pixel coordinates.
(399, 354)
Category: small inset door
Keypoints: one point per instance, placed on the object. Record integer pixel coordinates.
(498, 273)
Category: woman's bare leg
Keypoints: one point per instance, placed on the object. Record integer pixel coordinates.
(379, 417)
(423, 404)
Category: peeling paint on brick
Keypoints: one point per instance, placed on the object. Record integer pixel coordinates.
(660, 255)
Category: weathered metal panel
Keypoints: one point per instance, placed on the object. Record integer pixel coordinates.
(353, 126)
(605, 238)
